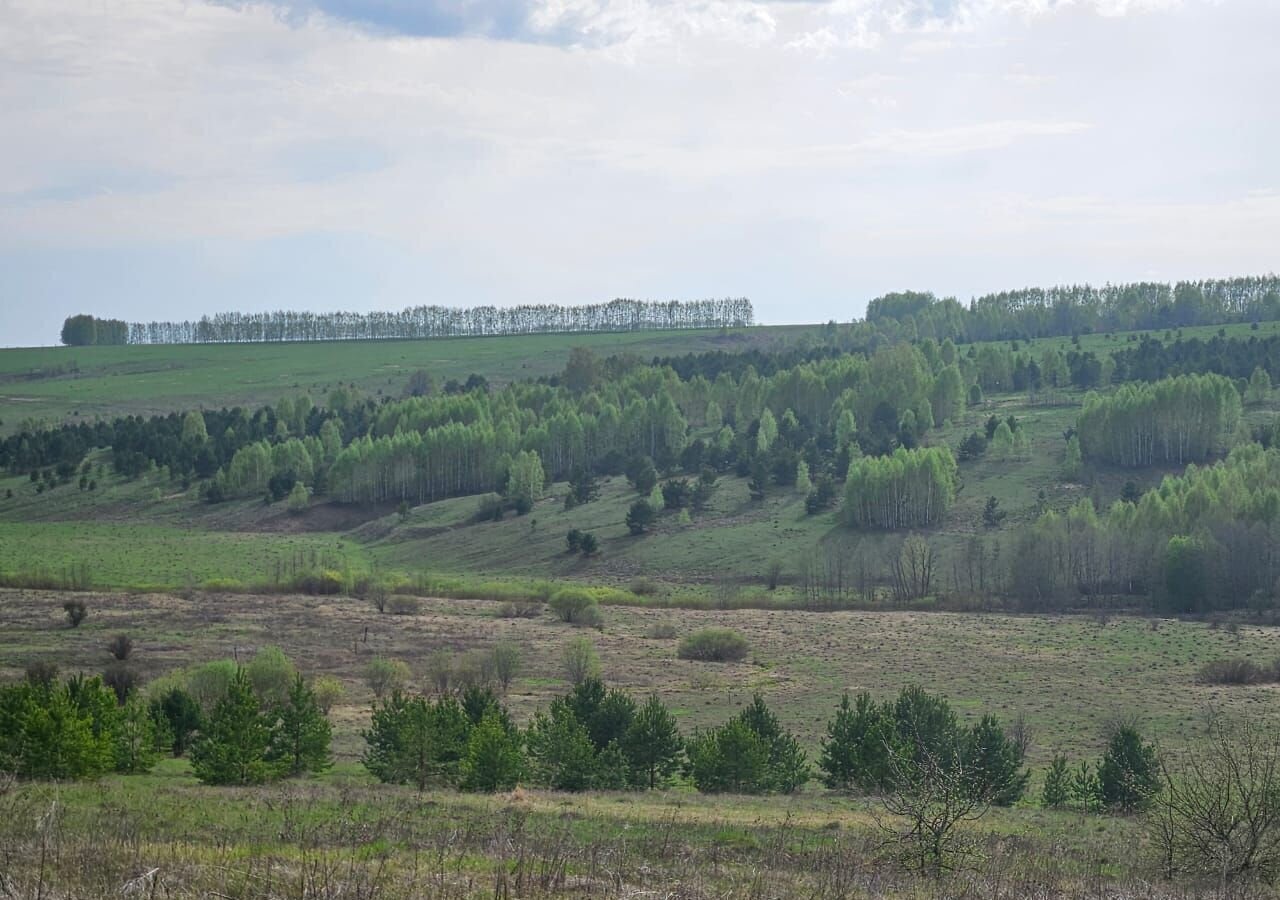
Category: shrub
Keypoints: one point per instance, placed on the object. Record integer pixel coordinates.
(590, 546)
(661, 631)
(42, 672)
(121, 678)
(713, 645)
(324, 583)
(271, 674)
(643, 586)
(181, 716)
(121, 647)
(404, 605)
(574, 540)
(385, 676)
(1057, 784)
(493, 760)
(639, 517)
(208, 683)
(1129, 774)
(1230, 671)
(328, 691)
(76, 612)
(577, 606)
(505, 663)
(580, 660)
(520, 609)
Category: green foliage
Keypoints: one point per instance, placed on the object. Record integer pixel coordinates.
(138, 740)
(639, 517)
(652, 743)
(232, 749)
(749, 754)
(493, 760)
(907, 489)
(993, 763)
(1056, 792)
(577, 606)
(272, 675)
(55, 732)
(713, 645)
(386, 676)
(208, 683)
(855, 752)
(300, 740)
(181, 715)
(1129, 774)
(1175, 420)
(561, 754)
(413, 740)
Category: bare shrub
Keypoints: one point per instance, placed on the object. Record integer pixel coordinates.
(661, 631)
(403, 605)
(1230, 671)
(506, 661)
(1219, 815)
(121, 678)
(42, 672)
(580, 660)
(519, 609)
(440, 670)
(121, 647)
(76, 612)
(643, 586)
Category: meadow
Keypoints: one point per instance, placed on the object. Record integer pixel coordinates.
(68, 384)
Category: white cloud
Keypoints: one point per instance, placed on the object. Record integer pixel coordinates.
(800, 153)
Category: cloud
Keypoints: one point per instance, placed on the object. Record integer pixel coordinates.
(186, 156)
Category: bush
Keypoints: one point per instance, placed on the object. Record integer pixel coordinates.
(661, 631)
(328, 691)
(577, 606)
(643, 586)
(580, 660)
(121, 647)
(42, 672)
(713, 645)
(520, 609)
(1230, 671)
(325, 583)
(208, 683)
(639, 517)
(574, 540)
(76, 612)
(1129, 774)
(589, 545)
(271, 673)
(403, 605)
(385, 676)
(121, 678)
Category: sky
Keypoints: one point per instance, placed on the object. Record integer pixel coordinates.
(163, 159)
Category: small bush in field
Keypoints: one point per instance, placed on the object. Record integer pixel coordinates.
(402, 605)
(576, 606)
(520, 609)
(76, 612)
(714, 645)
(662, 631)
(643, 586)
(42, 672)
(121, 647)
(1231, 671)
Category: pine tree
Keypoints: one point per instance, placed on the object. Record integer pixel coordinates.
(137, 745)
(652, 744)
(300, 740)
(493, 760)
(1057, 784)
(233, 748)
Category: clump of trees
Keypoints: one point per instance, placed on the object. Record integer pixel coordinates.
(908, 489)
(1176, 420)
(85, 330)
(438, 321)
(750, 754)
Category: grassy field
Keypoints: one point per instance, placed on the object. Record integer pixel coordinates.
(59, 384)
(164, 835)
(72, 383)
(1068, 675)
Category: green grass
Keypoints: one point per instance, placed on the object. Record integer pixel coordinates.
(78, 383)
(149, 556)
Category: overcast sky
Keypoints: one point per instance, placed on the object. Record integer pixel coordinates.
(168, 158)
